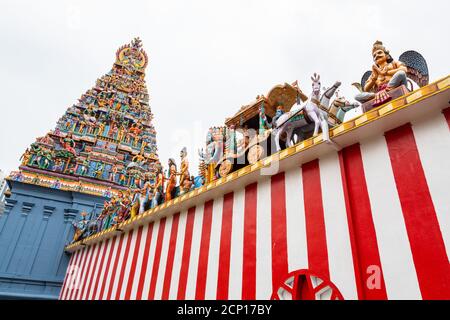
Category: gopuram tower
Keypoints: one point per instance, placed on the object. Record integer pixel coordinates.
(104, 144)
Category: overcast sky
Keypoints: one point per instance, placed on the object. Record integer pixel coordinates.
(207, 58)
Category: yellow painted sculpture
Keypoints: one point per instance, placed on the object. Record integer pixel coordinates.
(184, 171)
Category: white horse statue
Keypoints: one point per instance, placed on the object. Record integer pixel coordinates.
(316, 109)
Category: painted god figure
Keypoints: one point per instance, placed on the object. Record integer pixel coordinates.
(172, 180)
(80, 227)
(69, 144)
(158, 187)
(184, 172)
(386, 75)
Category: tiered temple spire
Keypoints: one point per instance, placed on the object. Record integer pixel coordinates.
(106, 141)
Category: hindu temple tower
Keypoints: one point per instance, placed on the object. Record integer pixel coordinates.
(105, 143)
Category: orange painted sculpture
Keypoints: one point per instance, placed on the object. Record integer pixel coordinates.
(172, 179)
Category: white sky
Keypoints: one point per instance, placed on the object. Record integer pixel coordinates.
(207, 58)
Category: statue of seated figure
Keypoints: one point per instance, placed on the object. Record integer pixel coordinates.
(387, 74)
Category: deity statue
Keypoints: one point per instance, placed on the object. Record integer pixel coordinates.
(140, 200)
(123, 177)
(46, 158)
(387, 74)
(80, 227)
(278, 113)
(158, 188)
(113, 173)
(139, 159)
(184, 172)
(101, 128)
(98, 172)
(124, 207)
(187, 184)
(69, 144)
(25, 157)
(121, 134)
(112, 131)
(172, 179)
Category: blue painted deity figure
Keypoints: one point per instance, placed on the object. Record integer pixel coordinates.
(80, 227)
(278, 114)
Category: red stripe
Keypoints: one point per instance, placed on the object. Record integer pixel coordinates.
(170, 257)
(100, 271)
(186, 254)
(108, 264)
(114, 270)
(91, 277)
(356, 263)
(249, 258)
(204, 251)
(133, 264)
(225, 248)
(359, 216)
(446, 113)
(279, 230)
(93, 252)
(148, 242)
(315, 221)
(157, 259)
(422, 226)
(124, 264)
(78, 274)
(72, 260)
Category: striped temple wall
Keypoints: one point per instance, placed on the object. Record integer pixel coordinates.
(376, 207)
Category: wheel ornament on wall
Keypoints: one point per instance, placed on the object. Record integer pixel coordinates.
(306, 285)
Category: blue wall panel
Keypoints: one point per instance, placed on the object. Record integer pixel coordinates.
(34, 229)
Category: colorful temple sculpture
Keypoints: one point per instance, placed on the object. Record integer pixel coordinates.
(100, 155)
(298, 197)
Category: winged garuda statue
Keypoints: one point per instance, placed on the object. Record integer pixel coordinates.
(387, 73)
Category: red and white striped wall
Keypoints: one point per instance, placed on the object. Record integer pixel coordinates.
(373, 218)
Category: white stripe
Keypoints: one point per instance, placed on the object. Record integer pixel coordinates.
(75, 280)
(119, 266)
(91, 270)
(128, 264)
(178, 255)
(295, 221)
(433, 142)
(393, 244)
(263, 241)
(111, 265)
(237, 246)
(82, 276)
(139, 262)
(340, 257)
(67, 277)
(95, 272)
(163, 260)
(214, 247)
(102, 271)
(88, 272)
(195, 252)
(151, 259)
